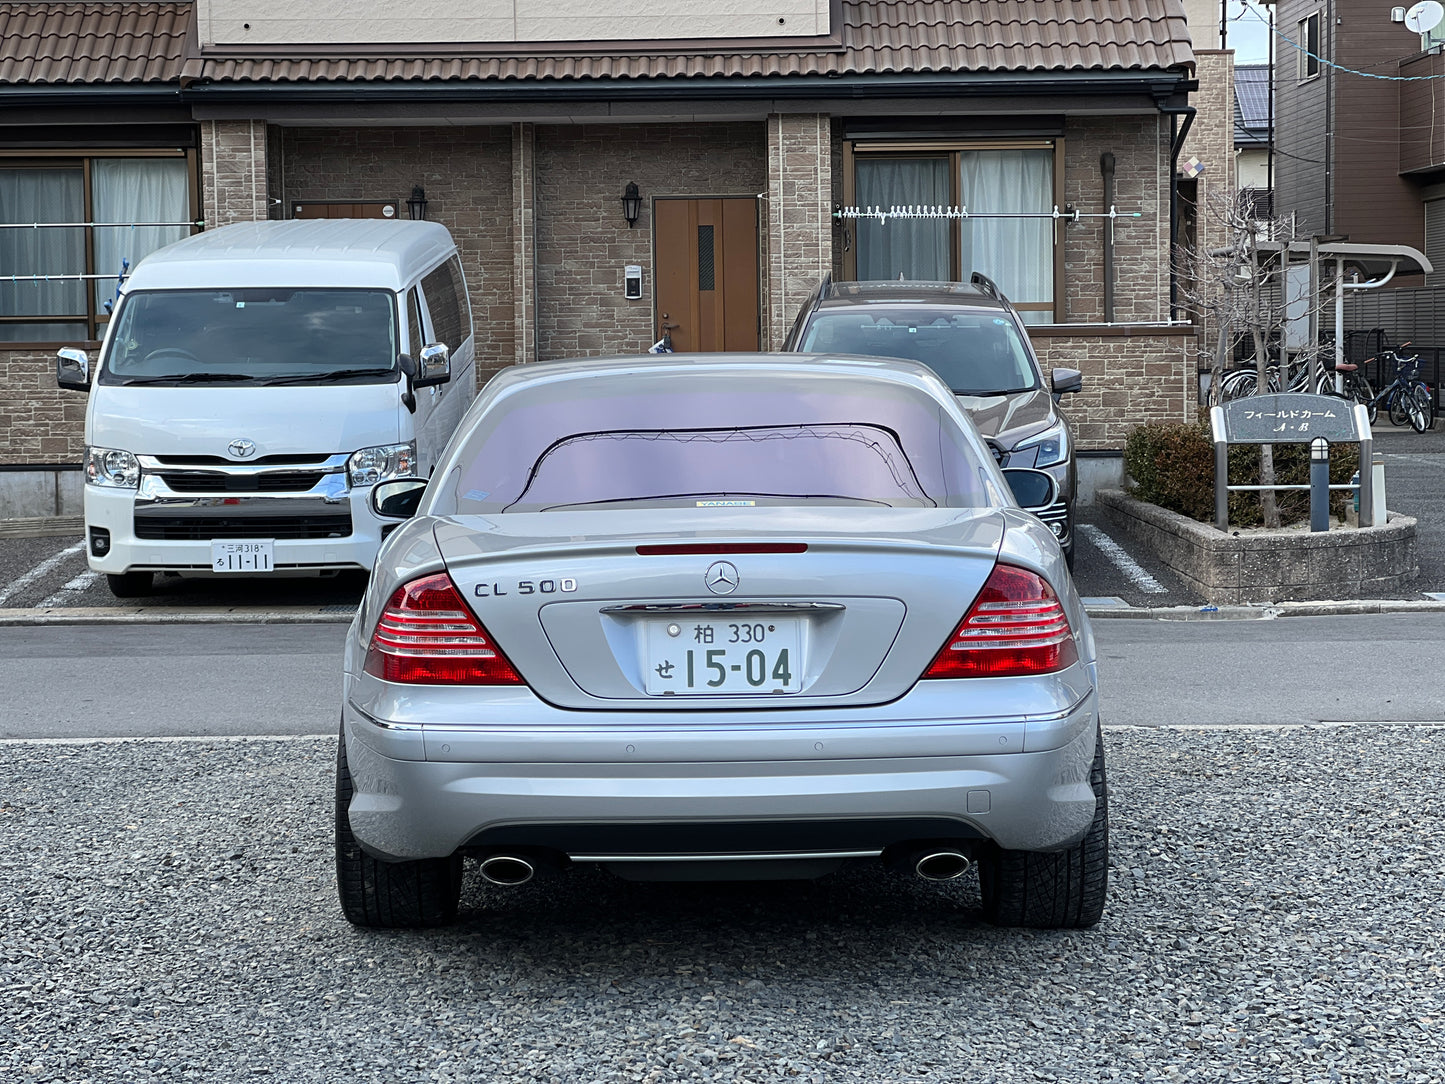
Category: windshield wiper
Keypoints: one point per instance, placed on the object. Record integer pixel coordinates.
(332, 377)
(190, 378)
(992, 391)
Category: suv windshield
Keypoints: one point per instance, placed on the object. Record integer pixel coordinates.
(715, 440)
(974, 352)
(253, 335)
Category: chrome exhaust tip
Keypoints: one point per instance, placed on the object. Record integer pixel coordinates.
(506, 869)
(941, 865)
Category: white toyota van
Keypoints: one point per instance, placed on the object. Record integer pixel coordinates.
(255, 382)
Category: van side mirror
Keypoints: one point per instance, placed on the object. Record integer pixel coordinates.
(72, 369)
(1066, 381)
(398, 499)
(434, 366)
(1034, 489)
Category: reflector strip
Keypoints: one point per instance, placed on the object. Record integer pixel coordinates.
(708, 548)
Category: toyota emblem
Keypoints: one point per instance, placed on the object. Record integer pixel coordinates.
(721, 578)
(242, 448)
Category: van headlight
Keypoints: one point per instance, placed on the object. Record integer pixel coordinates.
(368, 466)
(1052, 446)
(111, 467)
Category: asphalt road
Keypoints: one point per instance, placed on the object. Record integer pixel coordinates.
(117, 681)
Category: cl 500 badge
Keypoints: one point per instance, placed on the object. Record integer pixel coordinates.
(527, 587)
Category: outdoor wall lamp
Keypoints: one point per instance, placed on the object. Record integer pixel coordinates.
(631, 204)
(416, 204)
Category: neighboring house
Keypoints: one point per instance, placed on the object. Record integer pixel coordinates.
(743, 133)
(1253, 133)
(1360, 146)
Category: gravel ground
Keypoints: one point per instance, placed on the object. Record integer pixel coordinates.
(1275, 915)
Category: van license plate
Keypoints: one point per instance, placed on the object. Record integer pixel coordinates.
(708, 656)
(249, 555)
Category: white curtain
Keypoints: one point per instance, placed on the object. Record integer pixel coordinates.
(135, 190)
(1017, 253)
(916, 249)
(41, 195)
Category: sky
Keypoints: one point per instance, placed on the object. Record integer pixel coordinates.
(1248, 32)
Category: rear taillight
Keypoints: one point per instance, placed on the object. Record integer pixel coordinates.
(1016, 626)
(427, 636)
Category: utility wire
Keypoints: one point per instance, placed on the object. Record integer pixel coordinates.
(1246, 6)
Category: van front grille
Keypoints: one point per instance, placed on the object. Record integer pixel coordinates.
(205, 528)
(288, 481)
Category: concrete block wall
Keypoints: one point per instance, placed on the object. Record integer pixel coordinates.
(583, 242)
(467, 174)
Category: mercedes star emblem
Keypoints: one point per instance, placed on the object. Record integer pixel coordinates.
(242, 448)
(721, 578)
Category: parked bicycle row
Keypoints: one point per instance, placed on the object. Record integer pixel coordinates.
(1407, 399)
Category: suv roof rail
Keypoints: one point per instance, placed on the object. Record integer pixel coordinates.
(825, 287)
(987, 285)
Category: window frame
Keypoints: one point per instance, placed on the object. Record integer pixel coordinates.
(1310, 27)
(953, 150)
(94, 318)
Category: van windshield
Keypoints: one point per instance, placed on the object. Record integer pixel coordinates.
(254, 335)
(975, 352)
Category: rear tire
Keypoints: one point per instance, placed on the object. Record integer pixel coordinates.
(1059, 890)
(389, 895)
(130, 584)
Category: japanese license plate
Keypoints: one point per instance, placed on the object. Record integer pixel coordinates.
(249, 555)
(724, 656)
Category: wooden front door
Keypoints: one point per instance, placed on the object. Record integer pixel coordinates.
(707, 272)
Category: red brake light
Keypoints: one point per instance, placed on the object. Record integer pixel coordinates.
(1016, 626)
(427, 636)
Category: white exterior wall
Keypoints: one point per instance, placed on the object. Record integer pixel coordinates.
(284, 22)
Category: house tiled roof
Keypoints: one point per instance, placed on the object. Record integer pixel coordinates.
(74, 43)
(877, 37)
(1251, 103)
(69, 43)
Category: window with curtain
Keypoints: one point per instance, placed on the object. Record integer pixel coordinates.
(96, 189)
(1017, 253)
(910, 249)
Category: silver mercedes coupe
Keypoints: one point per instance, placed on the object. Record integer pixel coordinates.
(722, 616)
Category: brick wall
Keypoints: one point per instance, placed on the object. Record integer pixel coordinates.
(233, 171)
(1211, 140)
(1146, 375)
(800, 205)
(41, 423)
(583, 241)
(1140, 146)
(467, 174)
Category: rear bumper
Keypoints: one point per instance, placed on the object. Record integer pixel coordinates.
(799, 790)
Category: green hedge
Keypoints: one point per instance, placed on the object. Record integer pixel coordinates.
(1172, 465)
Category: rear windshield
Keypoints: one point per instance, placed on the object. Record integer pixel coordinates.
(975, 353)
(253, 335)
(715, 441)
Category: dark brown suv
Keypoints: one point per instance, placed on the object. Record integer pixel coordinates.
(970, 335)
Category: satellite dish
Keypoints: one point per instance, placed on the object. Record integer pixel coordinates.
(1424, 16)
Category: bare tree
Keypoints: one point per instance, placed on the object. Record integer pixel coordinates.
(1238, 295)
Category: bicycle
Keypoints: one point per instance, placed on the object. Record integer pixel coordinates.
(1405, 398)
